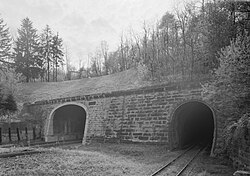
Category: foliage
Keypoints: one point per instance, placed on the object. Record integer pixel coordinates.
(237, 137)
(10, 104)
(184, 44)
(181, 45)
(104, 51)
(46, 50)
(229, 93)
(37, 56)
(57, 54)
(7, 103)
(218, 29)
(9, 78)
(8, 93)
(27, 51)
(52, 52)
(230, 89)
(5, 42)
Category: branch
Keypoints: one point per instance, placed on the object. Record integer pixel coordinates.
(6, 62)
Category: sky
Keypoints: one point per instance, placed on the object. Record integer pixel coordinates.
(83, 24)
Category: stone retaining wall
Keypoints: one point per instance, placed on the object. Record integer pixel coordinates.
(141, 115)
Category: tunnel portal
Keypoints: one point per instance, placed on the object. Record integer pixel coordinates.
(193, 123)
(69, 122)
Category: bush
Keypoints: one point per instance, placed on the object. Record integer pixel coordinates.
(237, 136)
(229, 91)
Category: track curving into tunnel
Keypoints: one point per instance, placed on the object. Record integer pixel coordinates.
(193, 123)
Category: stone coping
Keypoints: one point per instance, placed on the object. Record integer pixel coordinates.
(143, 90)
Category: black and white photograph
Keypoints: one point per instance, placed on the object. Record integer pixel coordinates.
(124, 87)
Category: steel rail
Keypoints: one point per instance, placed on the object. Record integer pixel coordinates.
(189, 162)
(20, 153)
(54, 143)
(171, 162)
(177, 158)
(30, 151)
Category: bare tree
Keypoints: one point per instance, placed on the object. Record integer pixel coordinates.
(104, 51)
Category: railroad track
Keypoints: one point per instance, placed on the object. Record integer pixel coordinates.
(55, 144)
(37, 145)
(179, 164)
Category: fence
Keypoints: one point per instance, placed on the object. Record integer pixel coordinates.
(19, 132)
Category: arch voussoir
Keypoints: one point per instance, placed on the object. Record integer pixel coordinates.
(61, 125)
(176, 127)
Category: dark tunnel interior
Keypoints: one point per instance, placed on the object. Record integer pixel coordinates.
(194, 124)
(69, 120)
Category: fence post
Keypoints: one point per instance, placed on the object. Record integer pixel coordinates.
(40, 133)
(0, 135)
(26, 133)
(9, 134)
(34, 133)
(18, 135)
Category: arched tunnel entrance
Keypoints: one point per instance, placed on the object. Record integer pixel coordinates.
(193, 123)
(69, 122)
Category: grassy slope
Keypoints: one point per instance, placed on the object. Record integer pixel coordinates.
(95, 160)
(101, 159)
(31, 92)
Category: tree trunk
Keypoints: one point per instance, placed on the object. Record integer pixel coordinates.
(192, 59)
(48, 68)
(53, 71)
(56, 69)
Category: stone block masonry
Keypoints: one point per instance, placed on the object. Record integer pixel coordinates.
(137, 115)
(141, 115)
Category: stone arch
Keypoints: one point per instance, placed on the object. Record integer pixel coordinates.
(49, 130)
(173, 137)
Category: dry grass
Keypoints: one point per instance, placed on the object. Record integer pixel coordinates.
(63, 162)
(94, 160)
(211, 166)
(71, 162)
(99, 159)
(31, 92)
(204, 173)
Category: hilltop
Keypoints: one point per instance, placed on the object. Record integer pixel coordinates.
(37, 91)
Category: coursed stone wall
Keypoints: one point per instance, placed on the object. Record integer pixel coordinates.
(141, 115)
